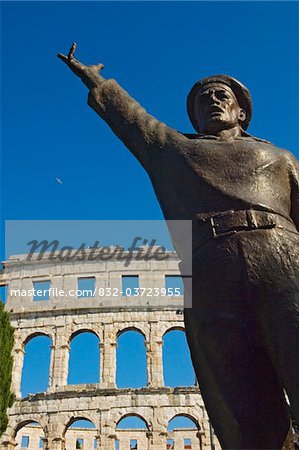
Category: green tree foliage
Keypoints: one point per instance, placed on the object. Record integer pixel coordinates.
(6, 362)
(295, 425)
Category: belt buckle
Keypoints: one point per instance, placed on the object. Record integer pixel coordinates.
(251, 219)
(256, 221)
(214, 227)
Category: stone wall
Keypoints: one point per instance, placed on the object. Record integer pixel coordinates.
(85, 438)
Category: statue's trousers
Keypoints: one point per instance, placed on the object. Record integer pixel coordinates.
(243, 333)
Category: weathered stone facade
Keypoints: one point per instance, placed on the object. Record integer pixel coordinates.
(63, 317)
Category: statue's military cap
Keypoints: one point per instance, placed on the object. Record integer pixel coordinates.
(242, 94)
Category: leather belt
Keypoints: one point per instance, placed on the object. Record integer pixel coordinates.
(230, 222)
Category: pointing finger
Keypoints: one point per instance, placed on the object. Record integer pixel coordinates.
(72, 50)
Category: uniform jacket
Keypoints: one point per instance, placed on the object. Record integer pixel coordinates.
(204, 176)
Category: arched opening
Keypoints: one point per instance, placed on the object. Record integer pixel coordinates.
(182, 433)
(84, 361)
(132, 421)
(131, 433)
(177, 365)
(30, 435)
(81, 434)
(131, 360)
(35, 374)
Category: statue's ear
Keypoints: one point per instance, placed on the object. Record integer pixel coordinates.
(242, 115)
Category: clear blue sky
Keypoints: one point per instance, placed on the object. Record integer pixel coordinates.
(155, 50)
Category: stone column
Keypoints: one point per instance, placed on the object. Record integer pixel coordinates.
(207, 437)
(154, 358)
(108, 357)
(106, 431)
(18, 357)
(158, 435)
(60, 364)
(51, 370)
(46, 444)
(101, 352)
(58, 443)
(157, 440)
(108, 442)
(55, 435)
(98, 439)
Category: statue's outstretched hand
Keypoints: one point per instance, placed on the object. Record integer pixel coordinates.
(88, 74)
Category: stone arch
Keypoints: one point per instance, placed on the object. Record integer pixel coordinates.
(73, 419)
(178, 327)
(184, 435)
(35, 334)
(131, 358)
(177, 364)
(132, 436)
(39, 356)
(85, 434)
(187, 416)
(34, 429)
(132, 414)
(82, 330)
(79, 371)
(130, 328)
(19, 425)
(170, 326)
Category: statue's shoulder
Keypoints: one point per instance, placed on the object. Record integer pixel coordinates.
(257, 139)
(268, 145)
(281, 153)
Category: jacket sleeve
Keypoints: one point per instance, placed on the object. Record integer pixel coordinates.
(137, 129)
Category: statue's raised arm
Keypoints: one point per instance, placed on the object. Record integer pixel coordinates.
(241, 194)
(138, 130)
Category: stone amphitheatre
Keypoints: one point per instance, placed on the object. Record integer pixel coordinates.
(48, 419)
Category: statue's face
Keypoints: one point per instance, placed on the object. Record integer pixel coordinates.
(217, 109)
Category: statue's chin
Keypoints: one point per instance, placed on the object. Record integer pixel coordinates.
(216, 119)
(216, 124)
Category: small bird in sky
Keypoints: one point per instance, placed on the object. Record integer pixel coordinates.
(59, 180)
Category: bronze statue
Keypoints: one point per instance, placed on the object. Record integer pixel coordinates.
(242, 195)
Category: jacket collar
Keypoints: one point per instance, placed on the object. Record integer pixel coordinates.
(244, 136)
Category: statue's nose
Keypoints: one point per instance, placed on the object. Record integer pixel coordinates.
(214, 98)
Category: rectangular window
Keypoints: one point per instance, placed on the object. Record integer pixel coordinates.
(25, 442)
(3, 293)
(129, 284)
(174, 285)
(170, 444)
(41, 290)
(95, 444)
(116, 446)
(86, 287)
(41, 443)
(133, 444)
(187, 444)
(79, 443)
